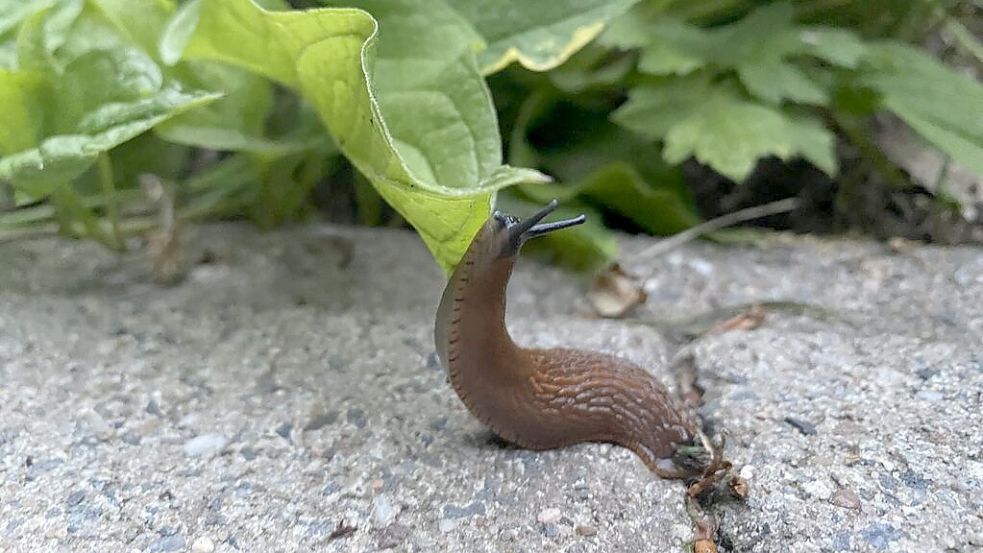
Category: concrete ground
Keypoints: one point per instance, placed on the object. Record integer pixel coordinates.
(286, 397)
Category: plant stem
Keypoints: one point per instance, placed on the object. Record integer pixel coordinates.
(108, 183)
(870, 151)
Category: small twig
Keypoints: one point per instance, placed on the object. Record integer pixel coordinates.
(740, 216)
(342, 530)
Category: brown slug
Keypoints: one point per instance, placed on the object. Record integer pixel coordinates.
(547, 398)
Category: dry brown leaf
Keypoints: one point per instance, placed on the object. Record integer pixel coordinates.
(614, 293)
(748, 320)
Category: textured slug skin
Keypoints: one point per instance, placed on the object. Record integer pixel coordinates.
(543, 399)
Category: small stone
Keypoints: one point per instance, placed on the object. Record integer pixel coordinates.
(154, 409)
(167, 543)
(585, 531)
(476, 508)
(75, 498)
(59, 533)
(393, 536)
(98, 425)
(203, 544)
(549, 516)
(803, 426)
(880, 535)
(356, 417)
(284, 430)
(929, 395)
(447, 525)
(382, 510)
(846, 498)
(819, 489)
(205, 445)
(320, 421)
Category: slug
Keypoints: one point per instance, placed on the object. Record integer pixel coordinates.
(547, 398)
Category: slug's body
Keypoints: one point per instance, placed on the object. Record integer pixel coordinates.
(546, 398)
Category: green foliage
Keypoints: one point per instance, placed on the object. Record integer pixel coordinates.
(941, 105)
(762, 85)
(96, 93)
(398, 86)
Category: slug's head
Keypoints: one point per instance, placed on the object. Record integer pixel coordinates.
(511, 233)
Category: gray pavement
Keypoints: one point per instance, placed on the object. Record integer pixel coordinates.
(286, 397)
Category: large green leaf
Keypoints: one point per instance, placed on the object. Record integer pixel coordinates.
(539, 35)
(438, 161)
(946, 108)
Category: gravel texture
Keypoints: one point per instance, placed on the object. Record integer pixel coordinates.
(286, 397)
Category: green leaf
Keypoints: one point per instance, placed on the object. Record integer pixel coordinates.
(674, 48)
(100, 77)
(653, 111)
(619, 188)
(943, 106)
(59, 159)
(436, 161)
(602, 164)
(140, 22)
(840, 47)
(766, 32)
(178, 32)
(538, 35)
(21, 116)
(723, 130)
(13, 12)
(773, 80)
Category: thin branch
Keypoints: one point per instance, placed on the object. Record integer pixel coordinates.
(740, 216)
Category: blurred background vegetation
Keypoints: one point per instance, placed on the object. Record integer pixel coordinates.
(869, 111)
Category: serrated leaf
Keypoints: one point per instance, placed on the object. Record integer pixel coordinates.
(439, 174)
(538, 35)
(840, 47)
(773, 80)
(943, 106)
(724, 130)
(653, 110)
(811, 140)
(764, 33)
(674, 48)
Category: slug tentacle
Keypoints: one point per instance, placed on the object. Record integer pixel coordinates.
(546, 398)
